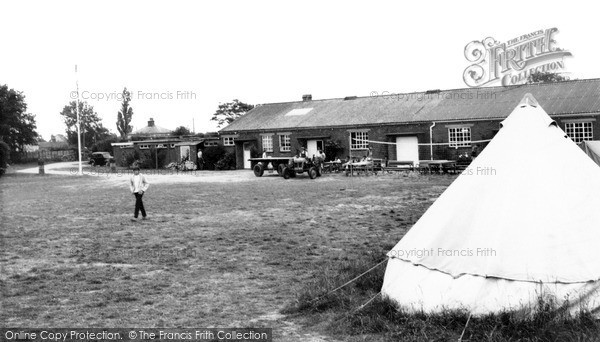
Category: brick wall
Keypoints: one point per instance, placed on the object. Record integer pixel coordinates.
(480, 130)
(338, 136)
(595, 124)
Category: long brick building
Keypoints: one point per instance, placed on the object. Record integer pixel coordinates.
(436, 124)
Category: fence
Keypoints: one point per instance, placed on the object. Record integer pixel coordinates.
(60, 155)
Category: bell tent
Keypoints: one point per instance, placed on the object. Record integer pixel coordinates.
(592, 149)
(520, 223)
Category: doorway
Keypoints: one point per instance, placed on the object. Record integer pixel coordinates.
(247, 155)
(407, 149)
(313, 147)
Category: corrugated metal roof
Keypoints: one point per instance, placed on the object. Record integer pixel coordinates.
(580, 96)
(189, 143)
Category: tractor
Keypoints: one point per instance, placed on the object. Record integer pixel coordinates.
(301, 165)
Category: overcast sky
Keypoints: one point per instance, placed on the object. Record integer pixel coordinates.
(258, 51)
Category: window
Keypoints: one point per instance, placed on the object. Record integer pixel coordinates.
(161, 145)
(459, 136)
(579, 131)
(210, 143)
(285, 143)
(267, 143)
(144, 147)
(228, 141)
(359, 140)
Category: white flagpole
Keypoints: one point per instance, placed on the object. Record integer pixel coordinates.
(78, 129)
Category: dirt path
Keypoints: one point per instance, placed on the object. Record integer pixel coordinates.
(161, 176)
(54, 169)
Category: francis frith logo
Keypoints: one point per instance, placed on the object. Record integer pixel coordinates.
(512, 62)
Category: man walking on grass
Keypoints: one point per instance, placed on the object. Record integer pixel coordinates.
(138, 185)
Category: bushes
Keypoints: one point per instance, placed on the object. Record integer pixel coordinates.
(333, 150)
(217, 158)
(227, 162)
(145, 159)
(212, 155)
(128, 158)
(104, 145)
(4, 156)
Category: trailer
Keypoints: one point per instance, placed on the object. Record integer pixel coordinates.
(271, 165)
(287, 167)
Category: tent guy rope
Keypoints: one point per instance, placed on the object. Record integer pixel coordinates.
(349, 281)
(422, 144)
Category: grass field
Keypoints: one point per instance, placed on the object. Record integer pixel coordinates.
(212, 254)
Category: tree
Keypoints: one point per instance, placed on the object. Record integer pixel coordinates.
(92, 130)
(230, 111)
(4, 154)
(545, 77)
(17, 127)
(105, 144)
(124, 116)
(181, 130)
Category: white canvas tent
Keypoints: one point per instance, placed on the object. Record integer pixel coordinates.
(592, 149)
(522, 221)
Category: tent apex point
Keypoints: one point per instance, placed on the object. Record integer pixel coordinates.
(528, 100)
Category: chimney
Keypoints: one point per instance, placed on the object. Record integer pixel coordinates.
(151, 122)
(307, 97)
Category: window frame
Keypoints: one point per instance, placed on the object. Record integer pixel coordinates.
(581, 135)
(267, 142)
(228, 141)
(459, 132)
(364, 144)
(285, 143)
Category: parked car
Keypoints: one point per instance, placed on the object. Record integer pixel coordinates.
(101, 158)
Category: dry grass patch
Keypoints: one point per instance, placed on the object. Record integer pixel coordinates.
(212, 254)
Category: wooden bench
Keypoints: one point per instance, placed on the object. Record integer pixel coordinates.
(399, 165)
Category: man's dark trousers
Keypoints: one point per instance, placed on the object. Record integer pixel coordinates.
(139, 205)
